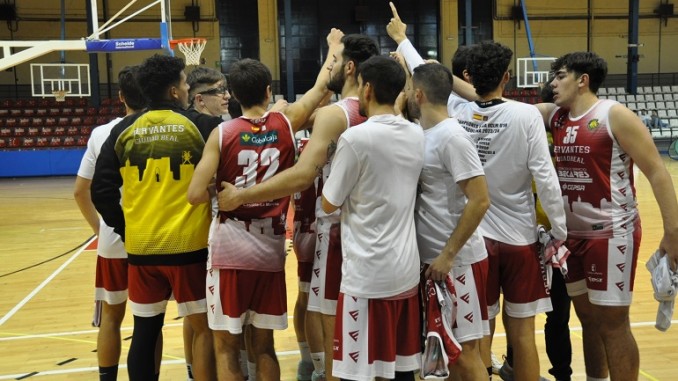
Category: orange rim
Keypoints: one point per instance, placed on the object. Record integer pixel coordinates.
(174, 43)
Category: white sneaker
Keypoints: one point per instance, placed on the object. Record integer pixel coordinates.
(496, 364)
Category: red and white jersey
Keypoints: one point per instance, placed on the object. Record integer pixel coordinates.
(512, 146)
(304, 218)
(351, 108)
(252, 237)
(595, 174)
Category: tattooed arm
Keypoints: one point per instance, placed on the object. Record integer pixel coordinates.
(330, 122)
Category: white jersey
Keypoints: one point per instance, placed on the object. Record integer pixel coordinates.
(109, 245)
(513, 148)
(450, 157)
(374, 178)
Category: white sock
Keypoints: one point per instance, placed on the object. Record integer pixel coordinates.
(305, 351)
(252, 370)
(318, 361)
(189, 371)
(589, 378)
(243, 362)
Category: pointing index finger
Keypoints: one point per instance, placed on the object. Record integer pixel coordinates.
(394, 10)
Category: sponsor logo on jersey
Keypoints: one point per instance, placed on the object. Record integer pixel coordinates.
(211, 288)
(315, 290)
(622, 249)
(316, 272)
(593, 124)
(597, 227)
(621, 266)
(462, 279)
(620, 286)
(469, 317)
(466, 297)
(250, 139)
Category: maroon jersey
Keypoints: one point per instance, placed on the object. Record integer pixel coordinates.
(595, 174)
(253, 150)
(304, 218)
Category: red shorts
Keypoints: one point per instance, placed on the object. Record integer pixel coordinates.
(376, 337)
(604, 268)
(111, 280)
(236, 298)
(150, 287)
(517, 272)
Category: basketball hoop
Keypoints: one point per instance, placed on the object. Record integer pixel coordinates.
(60, 95)
(191, 48)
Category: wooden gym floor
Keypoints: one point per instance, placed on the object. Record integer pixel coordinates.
(46, 308)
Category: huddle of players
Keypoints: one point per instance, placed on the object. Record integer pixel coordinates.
(452, 193)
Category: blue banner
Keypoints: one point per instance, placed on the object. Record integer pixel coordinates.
(121, 45)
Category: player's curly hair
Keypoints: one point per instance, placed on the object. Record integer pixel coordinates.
(358, 48)
(460, 60)
(487, 63)
(583, 63)
(249, 79)
(156, 75)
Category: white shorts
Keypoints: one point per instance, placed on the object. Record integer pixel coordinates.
(471, 323)
(326, 277)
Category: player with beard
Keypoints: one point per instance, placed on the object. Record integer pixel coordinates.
(330, 122)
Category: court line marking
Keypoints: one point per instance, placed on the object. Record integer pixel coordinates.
(42, 285)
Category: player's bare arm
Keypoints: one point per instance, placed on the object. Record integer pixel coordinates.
(329, 124)
(300, 111)
(83, 197)
(635, 139)
(546, 109)
(328, 207)
(205, 170)
(478, 197)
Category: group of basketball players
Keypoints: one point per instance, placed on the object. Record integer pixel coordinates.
(375, 195)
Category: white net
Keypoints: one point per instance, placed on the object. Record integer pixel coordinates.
(192, 48)
(60, 95)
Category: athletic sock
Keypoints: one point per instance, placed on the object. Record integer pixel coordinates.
(252, 371)
(489, 373)
(108, 373)
(318, 362)
(589, 378)
(189, 371)
(305, 351)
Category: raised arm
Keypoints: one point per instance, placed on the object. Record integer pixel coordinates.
(204, 172)
(635, 139)
(299, 111)
(330, 122)
(397, 29)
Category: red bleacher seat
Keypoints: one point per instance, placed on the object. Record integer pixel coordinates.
(32, 131)
(86, 130)
(19, 131)
(82, 141)
(59, 130)
(29, 112)
(15, 112)
(67, 111)
(102, 120)
(41, 141)
(11, 122)
(69, 141)
(72, 130)
(4, 113)
(79, 111)
(63, 121)
(41, 112)
(5, 131)
(44, 102)
(24, 122)
(54, 111)
(28, 142)
(32, 103)
(106, 101)
(46, 131)
(13, 142)
(76, 121)
(3, 143)
(50, 121)
(91, 111)
(6, 103)
(55, 141)
(37, 122)
(88, 121)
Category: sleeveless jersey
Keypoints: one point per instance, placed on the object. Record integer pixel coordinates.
(252, 151)
(252, 237)
(304, 218)
(595, 174)
(350, 106)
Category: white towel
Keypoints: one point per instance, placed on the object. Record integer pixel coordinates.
(553, 254)
(665, 285)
